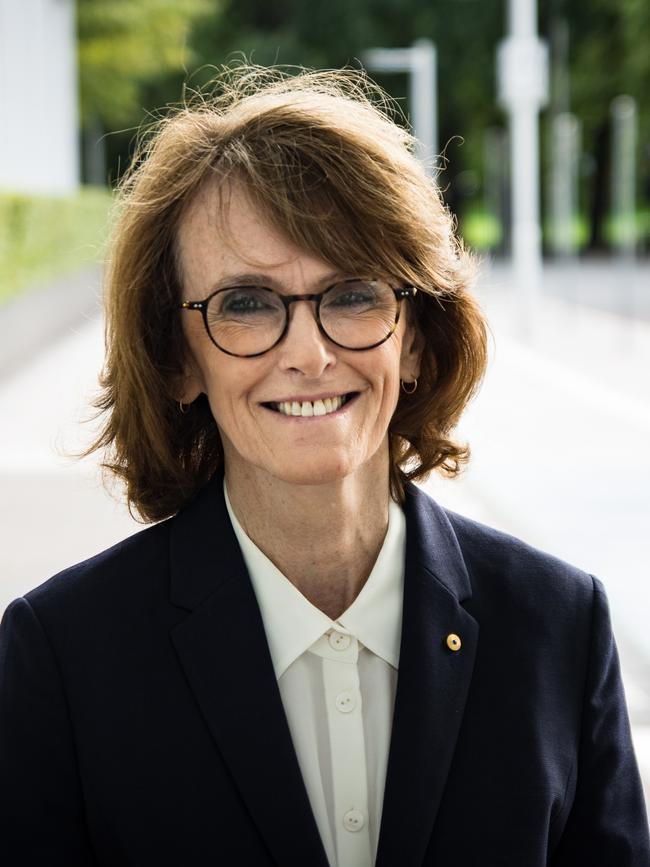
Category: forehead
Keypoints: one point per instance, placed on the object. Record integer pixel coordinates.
(222, 233)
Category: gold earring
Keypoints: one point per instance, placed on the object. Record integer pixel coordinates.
(184, 407)
(411, 386)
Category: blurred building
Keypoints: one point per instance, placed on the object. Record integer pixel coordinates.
(38, 96)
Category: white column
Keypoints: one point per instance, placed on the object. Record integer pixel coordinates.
(523, 88)
(564, 183)
(424, 98)
(419, 61)
(522, 15)
(623, 174)
(38, 97)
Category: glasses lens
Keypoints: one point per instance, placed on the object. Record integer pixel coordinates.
(358, 314)
(245, 320)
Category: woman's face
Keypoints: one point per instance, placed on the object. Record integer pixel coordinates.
(233, 244)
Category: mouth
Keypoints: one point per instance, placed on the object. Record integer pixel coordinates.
(310, 408)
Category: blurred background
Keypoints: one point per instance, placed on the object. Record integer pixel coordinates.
(535, 119)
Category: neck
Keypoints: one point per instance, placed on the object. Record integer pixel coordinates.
(323, 538)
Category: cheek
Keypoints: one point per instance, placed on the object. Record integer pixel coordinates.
(230, 382)
(391, 365)
(222, 396)
(214, 379)
(385, 373)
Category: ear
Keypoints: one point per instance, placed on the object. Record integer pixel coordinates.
(411, 356)
(191, 383)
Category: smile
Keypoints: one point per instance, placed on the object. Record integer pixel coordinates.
(309, 408)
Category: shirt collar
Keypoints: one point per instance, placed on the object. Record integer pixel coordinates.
(292, 624)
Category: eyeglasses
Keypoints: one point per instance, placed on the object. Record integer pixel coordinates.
(355, 314)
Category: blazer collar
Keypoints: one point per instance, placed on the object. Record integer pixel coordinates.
(238, 694)
(201, 543)
(293, 624)
(223, 651)
(432, 684)
(431, 545)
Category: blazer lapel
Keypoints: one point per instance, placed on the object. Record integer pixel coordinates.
(432, 684)
(223, 650)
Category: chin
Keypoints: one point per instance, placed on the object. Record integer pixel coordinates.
(315, 473)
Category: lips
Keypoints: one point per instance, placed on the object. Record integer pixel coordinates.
(309, 408)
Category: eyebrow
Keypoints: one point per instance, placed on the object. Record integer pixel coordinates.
(258, 279)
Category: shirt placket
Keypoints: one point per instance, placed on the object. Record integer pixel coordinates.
(340, 653)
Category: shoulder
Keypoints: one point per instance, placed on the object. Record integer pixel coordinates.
(504, 570)
(128, 587)
(508, 573)
(129, 569)
(488, 547)
(534, 609)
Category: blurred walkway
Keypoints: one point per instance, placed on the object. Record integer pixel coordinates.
(620, 286)
(53, 511)
(559, 433)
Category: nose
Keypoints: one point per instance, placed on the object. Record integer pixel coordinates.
(304, 348)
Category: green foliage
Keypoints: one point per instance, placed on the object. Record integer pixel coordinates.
(636, 225)
(338, 32)
(481, 231)
(608, 55)
(123, 44)
(43, 237)
(137, 55)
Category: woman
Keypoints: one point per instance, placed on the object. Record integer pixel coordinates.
(310, 662)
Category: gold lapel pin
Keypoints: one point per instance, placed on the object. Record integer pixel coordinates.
(453, 641)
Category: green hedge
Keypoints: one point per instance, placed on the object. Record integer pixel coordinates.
(482, 231)
(44, 237)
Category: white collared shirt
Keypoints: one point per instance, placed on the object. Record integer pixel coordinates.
(337, 680)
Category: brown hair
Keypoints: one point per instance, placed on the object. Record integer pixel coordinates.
(326, 164)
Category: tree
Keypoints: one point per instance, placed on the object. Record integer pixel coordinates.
(137, 55)
(337, 33)
(608, 56)
(123, 46)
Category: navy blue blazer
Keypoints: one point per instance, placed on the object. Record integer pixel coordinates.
(141, 722)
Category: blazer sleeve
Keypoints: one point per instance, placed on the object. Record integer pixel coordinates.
(41, 805)
(607, 823)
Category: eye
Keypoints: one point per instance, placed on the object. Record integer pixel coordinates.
(353, 294)
(244, 302)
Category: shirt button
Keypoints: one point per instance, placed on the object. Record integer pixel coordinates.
(339, 641)
(353, 820)
(346, 701)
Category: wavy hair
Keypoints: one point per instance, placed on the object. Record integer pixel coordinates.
(325, 161)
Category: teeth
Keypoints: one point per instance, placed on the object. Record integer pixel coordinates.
(307, 408)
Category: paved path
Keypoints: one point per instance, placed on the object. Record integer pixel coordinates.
(560, 436)
(46, 312)
(618, 286)
(53, 511)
